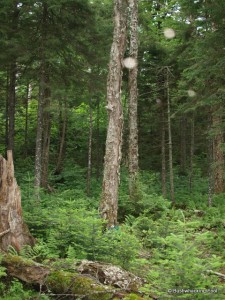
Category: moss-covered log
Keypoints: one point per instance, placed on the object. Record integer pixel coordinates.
(60, 282)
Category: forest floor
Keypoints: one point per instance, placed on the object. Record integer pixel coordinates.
(178, 251)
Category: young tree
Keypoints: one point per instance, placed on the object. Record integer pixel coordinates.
(111, 176)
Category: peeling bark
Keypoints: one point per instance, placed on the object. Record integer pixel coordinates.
(132, 104)
(13, 231)
(111, 176)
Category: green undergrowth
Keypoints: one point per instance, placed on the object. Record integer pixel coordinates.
(172, 248)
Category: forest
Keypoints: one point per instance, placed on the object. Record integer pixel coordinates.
(112, 132)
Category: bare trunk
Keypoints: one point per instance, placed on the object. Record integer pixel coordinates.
(89, 151)
(163, 152)
(218, 155)
(170, 137)
(7, 113)
(27, 100)
(97, 144)
(109, 200)
(192, 149)
(13, 231)
(46, 134)
(11, 106)
(38, 150)
(12, 78)
(132, 105)
(62, 139)
(41, 102)
(183, 144)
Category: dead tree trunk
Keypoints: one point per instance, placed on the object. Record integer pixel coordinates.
(13, 231)
(132, 105)
(109, 200)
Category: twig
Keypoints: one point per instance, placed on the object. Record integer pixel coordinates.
(4, 232)
(216, 273)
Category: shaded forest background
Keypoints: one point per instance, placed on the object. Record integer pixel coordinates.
(54, 57)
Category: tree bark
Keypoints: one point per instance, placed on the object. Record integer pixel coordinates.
(163, 152)
(218, 155)
(210, 162)
(111, 176)
(41, 102)
(170, 137)
(12, 78)
(62, 139)
(27, 100)
(13, 231)
(11, 105)
(98, 142)
(192, 149)
(183, 145)
(89, 150)
(38, 150)
(46, 116)
(132, 104)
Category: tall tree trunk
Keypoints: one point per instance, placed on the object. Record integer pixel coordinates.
(97, 142)
(192, 149)
(12, 78)
(89, 150)
(38, 150)
(210, 162)
(7, 113)
(46, 133)
(170, 145)
(27, 100)
(41, 102)
(163, 152)
(183, 144)
(11, 105)
(111, 176)
(13, 231)
(62, 139)
(218, 155)
(132, 105)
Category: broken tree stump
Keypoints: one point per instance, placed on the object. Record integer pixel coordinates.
(13, 231)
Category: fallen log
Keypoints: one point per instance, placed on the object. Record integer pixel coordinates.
(70, 284)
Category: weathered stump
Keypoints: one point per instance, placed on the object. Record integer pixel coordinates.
(13, 231)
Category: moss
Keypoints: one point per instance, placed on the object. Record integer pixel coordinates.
(64, 282)
(17, 260)
(133, 297)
